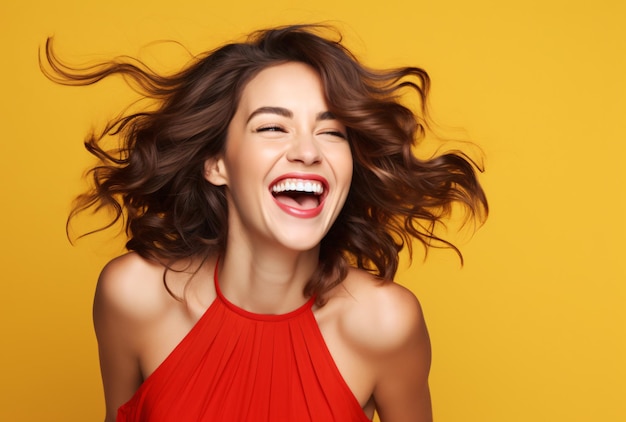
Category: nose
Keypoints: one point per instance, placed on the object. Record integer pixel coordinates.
(304, 149)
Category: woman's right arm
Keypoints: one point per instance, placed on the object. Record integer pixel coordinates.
(118, 319)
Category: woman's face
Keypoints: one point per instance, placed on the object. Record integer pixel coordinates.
(287, 162)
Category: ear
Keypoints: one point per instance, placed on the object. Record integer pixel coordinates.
(215, 171)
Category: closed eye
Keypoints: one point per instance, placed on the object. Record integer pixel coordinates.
(335, 133)
(271, 128)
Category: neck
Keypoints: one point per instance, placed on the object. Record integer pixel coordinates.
(266, 280)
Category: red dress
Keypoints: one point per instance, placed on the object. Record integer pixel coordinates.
(235, 365)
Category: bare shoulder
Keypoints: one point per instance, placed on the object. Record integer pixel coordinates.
(385, 326)
(130, 285)
(129, 303)
(380, 315)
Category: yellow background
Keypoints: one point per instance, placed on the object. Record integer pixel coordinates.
(533, 328)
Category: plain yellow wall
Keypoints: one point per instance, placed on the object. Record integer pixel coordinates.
(533, 328)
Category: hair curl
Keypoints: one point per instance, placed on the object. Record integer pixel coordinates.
(154, 182)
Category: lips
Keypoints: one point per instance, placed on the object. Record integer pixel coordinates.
(300, 195)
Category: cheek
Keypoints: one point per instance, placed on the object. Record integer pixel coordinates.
(240, 158)
(345, 165)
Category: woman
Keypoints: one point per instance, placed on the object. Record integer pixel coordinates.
(266, 197)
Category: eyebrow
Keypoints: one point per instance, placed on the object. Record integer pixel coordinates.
(281, 111)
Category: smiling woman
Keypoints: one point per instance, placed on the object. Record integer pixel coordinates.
(281, 138)
(266, 199)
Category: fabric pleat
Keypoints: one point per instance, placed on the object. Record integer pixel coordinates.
(235, 365)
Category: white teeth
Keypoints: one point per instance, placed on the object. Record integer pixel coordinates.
(298, 185)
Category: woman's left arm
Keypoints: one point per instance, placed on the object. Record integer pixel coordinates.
(402, 365)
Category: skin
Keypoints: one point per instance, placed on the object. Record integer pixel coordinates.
(374, 331)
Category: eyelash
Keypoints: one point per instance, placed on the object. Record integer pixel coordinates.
(270, 129)
(337, 134)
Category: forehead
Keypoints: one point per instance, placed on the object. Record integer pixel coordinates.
(283, 83)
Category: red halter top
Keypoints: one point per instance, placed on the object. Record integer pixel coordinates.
(236, 365)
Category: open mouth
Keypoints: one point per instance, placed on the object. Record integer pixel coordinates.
(304, 194)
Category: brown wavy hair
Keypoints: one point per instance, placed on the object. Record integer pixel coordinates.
(154, 182)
